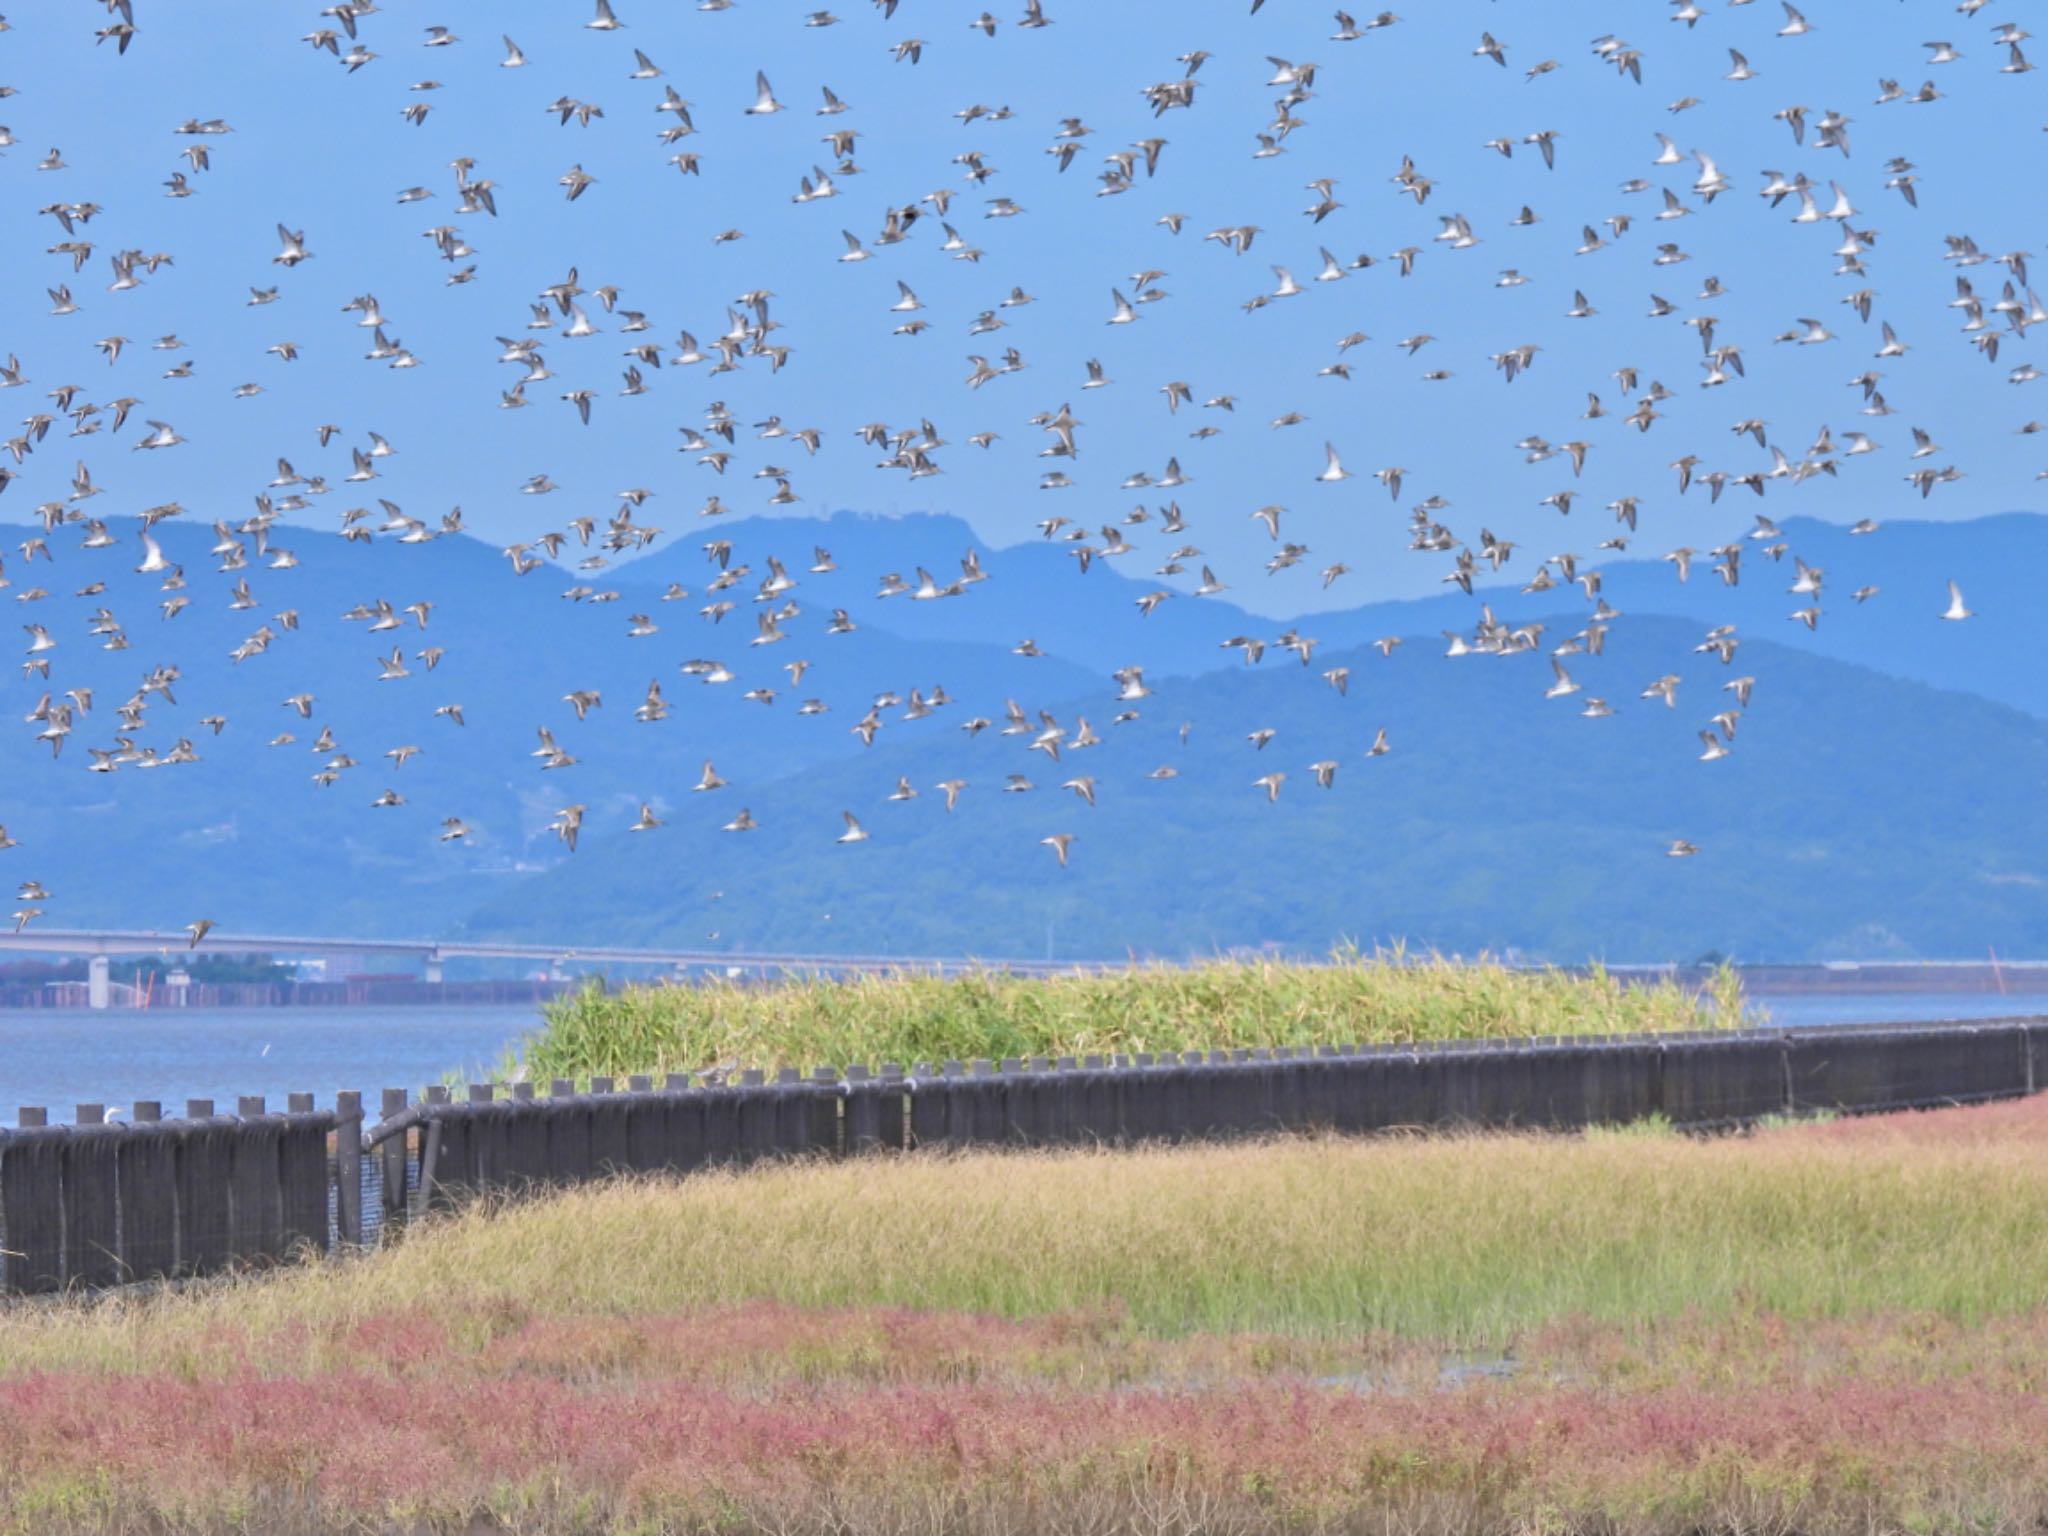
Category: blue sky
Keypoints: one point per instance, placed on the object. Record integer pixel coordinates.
(327, 151)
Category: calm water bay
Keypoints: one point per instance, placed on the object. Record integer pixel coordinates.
(59, 1059)
(1899, 1007)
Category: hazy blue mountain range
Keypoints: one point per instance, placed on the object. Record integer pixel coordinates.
(1992, 557)
(1858, 814)
(247, 831)
(1846, 822)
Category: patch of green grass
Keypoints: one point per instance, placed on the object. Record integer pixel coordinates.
(805, 1021)
(1650, 1127)
(1792, 1122)
(1466, 1241)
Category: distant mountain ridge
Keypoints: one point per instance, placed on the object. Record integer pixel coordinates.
(1038, 594)
(1858, 814)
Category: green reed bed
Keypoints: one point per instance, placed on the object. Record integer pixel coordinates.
(906, 1017)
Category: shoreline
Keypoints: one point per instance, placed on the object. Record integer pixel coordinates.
(1928, 978)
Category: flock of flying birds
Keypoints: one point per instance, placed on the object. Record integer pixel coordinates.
(1993, 309)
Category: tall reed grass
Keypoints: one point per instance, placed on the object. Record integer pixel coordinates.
(907, 1017)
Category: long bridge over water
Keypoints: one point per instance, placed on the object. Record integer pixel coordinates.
(101, 946)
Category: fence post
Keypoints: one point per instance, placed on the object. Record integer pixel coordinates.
(92, 1233)
(824, 1131)
(202, 1192)
(146, 1183)
(947, 1104)
(609, 1154)
(791, 1111)
(859, 1127)
(31, 1195)
(482, 1145)
(430, 1155)
(678, 1118)
(892, 1125)
(1014, 1109)
(720, 1101)
(256, 1224)
(391, 1156)
(525, 1139)
(1061, 1096)
(1090, 1104)
(568, 1127)
(348, 1170)
(305, 1176)
(927, 1104)
(755, 1116)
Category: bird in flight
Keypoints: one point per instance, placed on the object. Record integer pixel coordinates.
(719, 329)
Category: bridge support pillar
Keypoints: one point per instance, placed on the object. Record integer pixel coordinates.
(97, 991)
(434, 969)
